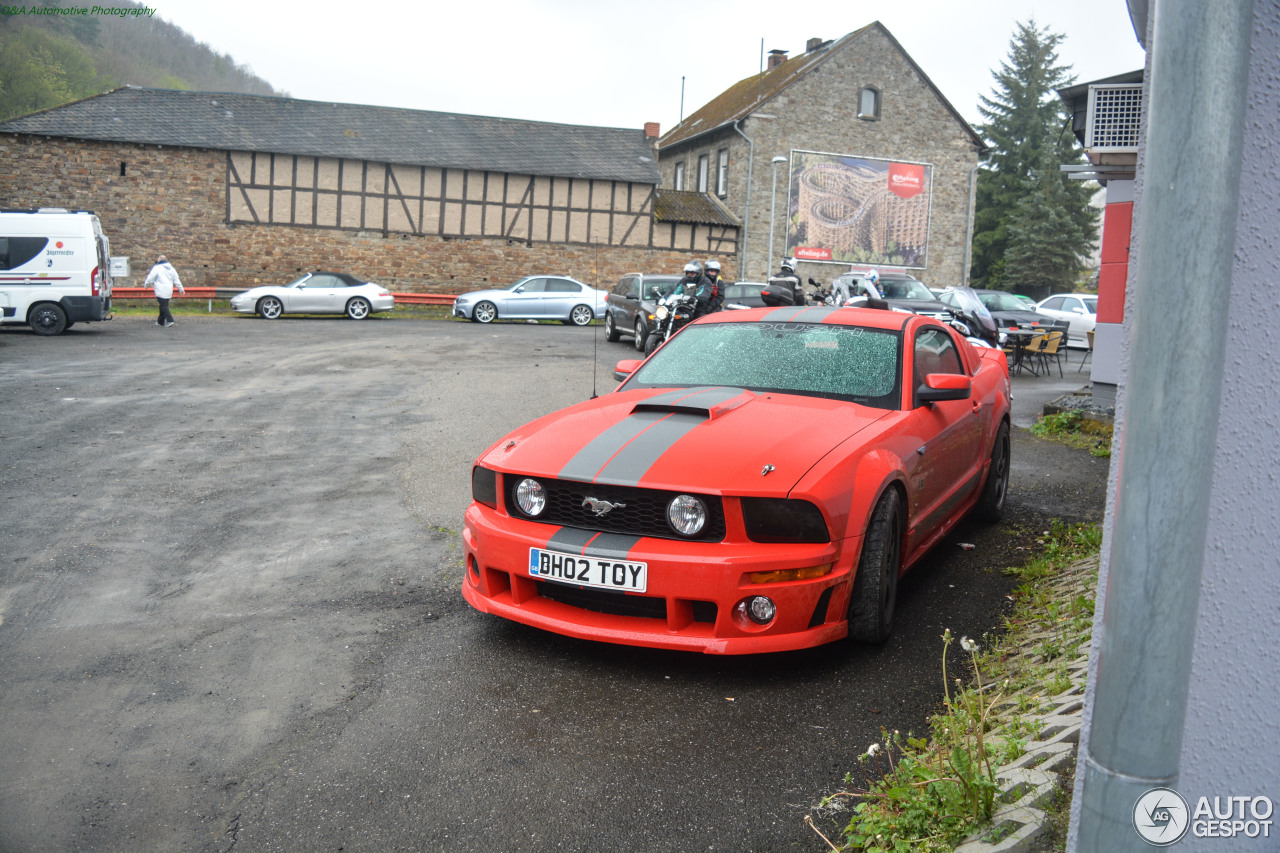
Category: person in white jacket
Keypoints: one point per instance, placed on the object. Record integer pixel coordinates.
(163, 278)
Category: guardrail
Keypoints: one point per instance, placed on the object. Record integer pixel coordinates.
(212, 293)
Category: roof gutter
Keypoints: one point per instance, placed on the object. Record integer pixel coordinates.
(746, 213)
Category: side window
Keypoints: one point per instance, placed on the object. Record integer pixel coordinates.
(323, 280)
(535, 285)
(16, 251)
(1075, 305)
(633, 287)
(620, 289)
(678, 183)
(1054, 304)
(722, 172)
(704, 169)
(559, 285)
(935, 353)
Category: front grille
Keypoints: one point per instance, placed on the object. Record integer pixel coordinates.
(645, 513)
(619, 604)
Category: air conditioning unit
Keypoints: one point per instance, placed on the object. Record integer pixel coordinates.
(1114, 121)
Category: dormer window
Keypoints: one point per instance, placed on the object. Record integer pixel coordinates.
(869, 104)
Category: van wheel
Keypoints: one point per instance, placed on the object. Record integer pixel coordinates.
(48, 319)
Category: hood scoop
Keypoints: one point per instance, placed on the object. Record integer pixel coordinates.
(709, 403)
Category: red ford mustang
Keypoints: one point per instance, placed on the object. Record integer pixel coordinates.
(758, 484)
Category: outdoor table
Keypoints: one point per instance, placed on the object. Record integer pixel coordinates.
(1020, 338)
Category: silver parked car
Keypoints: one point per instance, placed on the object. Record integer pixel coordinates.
(535, 297)
(316, 293)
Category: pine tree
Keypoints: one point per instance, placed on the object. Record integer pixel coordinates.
(1033, 228)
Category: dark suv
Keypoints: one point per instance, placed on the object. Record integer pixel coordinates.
(899, 290)
(630, 306)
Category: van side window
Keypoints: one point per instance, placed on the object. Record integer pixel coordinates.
(16, 251)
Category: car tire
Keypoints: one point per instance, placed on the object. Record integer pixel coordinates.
(270, 308)
(581, 315)
(642, 337)
(610, 328)
(875, 586)
(651, 344)
(484, 312)
(358, 308)
(994, 491)
(47, 319)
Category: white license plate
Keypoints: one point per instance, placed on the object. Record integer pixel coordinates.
(597, 572)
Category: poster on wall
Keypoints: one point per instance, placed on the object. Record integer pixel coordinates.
(858, 210)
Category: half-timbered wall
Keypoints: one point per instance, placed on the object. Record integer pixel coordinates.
(178, 200)
(360, 195)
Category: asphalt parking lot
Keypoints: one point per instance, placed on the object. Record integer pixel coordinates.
(231, 614)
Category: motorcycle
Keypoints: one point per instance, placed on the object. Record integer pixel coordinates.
(972, 319)
(821, 295)
(674, 312)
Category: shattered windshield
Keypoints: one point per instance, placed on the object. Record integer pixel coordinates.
(820, 360)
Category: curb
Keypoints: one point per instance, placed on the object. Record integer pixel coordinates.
(1030, 782)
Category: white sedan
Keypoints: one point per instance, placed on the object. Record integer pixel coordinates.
(1080, 310)
(535, 297)
(316, 293)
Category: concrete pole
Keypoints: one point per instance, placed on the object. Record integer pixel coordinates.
(773, 207)
(1143, 644)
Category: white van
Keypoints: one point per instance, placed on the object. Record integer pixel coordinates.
(54, 269)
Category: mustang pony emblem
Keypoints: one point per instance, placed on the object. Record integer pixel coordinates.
(601, 507)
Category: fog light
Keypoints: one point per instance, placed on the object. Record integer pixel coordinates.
(531, 497)
(758, 609)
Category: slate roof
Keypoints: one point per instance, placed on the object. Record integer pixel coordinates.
(235, 122)
(750, 94)
(686, 206)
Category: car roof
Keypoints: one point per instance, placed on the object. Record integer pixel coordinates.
(871, 318)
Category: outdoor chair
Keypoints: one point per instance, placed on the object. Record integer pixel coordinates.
(1088, 354)
(1051, 348)
(1031, 352)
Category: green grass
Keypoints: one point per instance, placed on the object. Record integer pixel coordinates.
(929, 793)
(1075, 430)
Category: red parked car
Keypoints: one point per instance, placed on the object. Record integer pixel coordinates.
(758, 484)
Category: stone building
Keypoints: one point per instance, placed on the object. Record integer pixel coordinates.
(877, 168)
(243, 189)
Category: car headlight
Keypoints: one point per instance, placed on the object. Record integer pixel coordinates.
(783, 520)
(687, 515)
(531, 497)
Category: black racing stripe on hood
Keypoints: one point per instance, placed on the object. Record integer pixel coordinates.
(622, 454)
(591, 544)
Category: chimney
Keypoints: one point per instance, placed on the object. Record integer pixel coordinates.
(776, 58)
(651, 130)
(812, 44)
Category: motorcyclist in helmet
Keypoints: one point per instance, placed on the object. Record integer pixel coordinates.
(787, 278)
(697, 285)
(717, 287)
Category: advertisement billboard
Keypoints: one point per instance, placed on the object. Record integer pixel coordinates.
(858, 210)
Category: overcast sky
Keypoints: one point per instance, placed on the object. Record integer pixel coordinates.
(617, 65)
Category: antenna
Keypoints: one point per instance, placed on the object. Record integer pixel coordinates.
(760, 79)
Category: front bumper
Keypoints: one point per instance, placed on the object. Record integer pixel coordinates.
(692, 596)
(463, 311)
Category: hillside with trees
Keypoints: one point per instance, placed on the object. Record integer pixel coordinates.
(47, 60)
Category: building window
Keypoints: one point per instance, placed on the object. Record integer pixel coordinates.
(704, 172)
(869, 104)
(722, 172)
(679, 178)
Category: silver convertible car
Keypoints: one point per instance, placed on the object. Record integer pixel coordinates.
(535, 297)
(316, 293)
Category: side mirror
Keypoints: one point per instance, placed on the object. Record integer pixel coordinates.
(625, 368)
(944, 386)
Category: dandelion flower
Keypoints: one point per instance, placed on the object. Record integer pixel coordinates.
(873, 749)
(968, 645)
